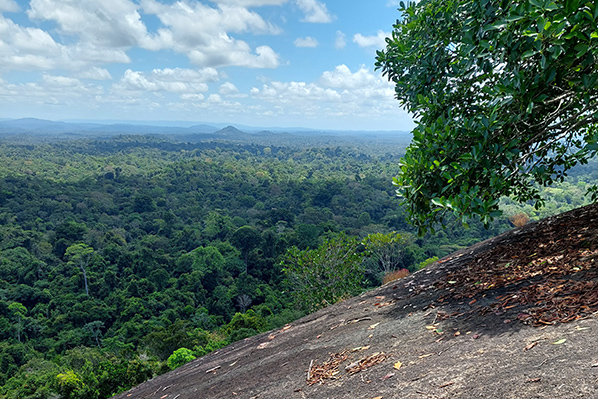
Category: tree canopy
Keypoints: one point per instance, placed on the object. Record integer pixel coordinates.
(198, 266)
(504, 94)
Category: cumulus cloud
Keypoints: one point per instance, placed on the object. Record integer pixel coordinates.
(202, 33)
(50, 90)
(106, 23)
(306, 42)
(377, 41)
(315, 11)
(296, 93)
(107, 29)
(27, 48)
(342, 78)
(229, 90)
(8, 6)
(60, 81)
(95, 73)
(177, 80)
(339, 92)
(192, 97)
(341, 40)
(250, 3)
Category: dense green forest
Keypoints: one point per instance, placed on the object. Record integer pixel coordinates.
(118, 253)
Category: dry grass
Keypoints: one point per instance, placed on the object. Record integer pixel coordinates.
(519, 219)
(395, 275)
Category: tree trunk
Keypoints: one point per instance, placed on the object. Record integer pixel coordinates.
(85, 279)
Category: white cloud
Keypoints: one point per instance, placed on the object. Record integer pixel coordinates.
(81, 55)
(340, 42)
(214, 99)
(192, 97)
(315, 11)
(8, 6)
(60, 81)
(250, 3)
(106, 23)
(378, 41)
(101, 32)
(306, 42)
(297, 93)
(229, 90)
(26, 48)
(95, 73)
(33, 41)
(177, 80)
(202, 34)
(338, 93)
(343, 78)
(49, 91)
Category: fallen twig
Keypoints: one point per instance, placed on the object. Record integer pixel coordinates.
(446, 384)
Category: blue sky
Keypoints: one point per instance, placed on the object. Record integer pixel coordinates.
(284, 63)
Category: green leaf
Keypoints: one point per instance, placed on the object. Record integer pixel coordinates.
(529, 53)
(537, 3)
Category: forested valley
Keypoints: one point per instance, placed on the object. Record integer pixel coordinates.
(123, 257)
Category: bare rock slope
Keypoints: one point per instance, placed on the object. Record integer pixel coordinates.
(511, 317)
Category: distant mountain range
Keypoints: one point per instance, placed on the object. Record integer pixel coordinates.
(33, 126)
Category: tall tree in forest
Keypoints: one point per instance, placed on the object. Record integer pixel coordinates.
(80, 255)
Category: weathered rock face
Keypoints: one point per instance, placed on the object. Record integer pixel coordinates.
(460, 328)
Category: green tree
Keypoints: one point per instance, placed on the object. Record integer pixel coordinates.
(143, 203)
(246, 321)
(323, 276)
(180, 357)
(504, 94)
(246, 239)
(387, 249)
(80, 255)
(94, 329)
(217, 226)
(18, 312)
(209, 262)
(69, 384)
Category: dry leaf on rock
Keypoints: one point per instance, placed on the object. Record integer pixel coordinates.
(530, 346)
(373, 326)
(212, 369)
(367, 362)
(560, 268)
(327, 370)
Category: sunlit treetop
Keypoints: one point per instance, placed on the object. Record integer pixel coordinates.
(504, 94)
